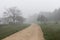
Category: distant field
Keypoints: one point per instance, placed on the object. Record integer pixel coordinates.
(51, 31)
(6, 30)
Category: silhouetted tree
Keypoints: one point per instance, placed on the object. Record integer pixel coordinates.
(42, 18)
(14, 15)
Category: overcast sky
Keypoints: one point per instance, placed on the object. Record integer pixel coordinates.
(29, 7)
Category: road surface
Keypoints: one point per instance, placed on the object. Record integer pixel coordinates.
(33, 32)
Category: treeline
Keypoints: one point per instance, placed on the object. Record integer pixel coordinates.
(49, 16)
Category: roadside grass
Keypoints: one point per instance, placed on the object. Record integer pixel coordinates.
(51, 31)
(6, 30)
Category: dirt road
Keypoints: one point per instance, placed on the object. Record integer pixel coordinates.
(33, 32)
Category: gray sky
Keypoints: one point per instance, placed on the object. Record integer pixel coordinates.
(29, 7)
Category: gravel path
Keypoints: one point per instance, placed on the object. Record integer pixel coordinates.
(33, 32)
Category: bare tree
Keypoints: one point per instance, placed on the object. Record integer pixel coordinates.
(14, 15)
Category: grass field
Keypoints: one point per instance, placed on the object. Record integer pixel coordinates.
(6, 30)
(51, 31)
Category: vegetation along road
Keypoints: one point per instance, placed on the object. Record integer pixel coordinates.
(32, 32)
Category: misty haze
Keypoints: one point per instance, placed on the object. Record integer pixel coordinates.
(40, 18)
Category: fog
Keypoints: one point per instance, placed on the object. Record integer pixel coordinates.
(15, 15)
(31, 10)
(30, 7)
